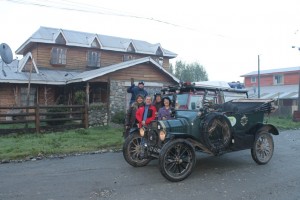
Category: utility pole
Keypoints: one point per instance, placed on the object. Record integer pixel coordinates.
(296, 114)
(299, 92)
(258, 77)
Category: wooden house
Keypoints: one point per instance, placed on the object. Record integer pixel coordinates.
(281, 84)
(57, 63)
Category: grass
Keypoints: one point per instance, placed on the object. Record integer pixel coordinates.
(284, 122)
(22, 146)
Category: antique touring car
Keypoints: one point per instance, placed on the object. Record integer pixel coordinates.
(214, 129)
(190, 95)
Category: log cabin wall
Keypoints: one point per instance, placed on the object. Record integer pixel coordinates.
(7, 97)
(145, 72)
(47, 94)
(77, 57)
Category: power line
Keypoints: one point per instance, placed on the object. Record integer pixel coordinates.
(88, 8)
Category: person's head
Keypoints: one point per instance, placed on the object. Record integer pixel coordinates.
(141, 84)
(157, 98)
(139, 99)
(167, 101)
(148, 100)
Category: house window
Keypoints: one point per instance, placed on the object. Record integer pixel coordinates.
(58, 56)
(253, 79)
(127, 57)
(93, 59)
(32, 96)
(278, 79)
(160, 60)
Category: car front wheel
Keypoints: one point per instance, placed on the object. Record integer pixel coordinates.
(177, 160)
(134, 152)
(263, 148)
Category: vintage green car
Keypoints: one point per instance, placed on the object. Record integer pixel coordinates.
(214, 129)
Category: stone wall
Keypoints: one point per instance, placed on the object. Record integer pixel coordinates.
(117, 97)
(98, 114)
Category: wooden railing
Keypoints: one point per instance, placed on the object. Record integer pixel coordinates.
(39, 118)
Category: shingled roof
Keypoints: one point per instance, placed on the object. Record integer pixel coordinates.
(84, 39)
(12, 73)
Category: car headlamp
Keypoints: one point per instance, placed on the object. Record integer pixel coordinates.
(162, 135)
(142, 131)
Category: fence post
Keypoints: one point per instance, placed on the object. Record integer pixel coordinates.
(85, 116)
(37, 118)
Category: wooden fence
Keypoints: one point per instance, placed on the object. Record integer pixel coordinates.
(42, 118)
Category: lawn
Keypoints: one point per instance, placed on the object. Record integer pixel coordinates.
(21, 146)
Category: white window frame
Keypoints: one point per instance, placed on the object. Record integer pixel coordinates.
(58, 56)
(253, 79)
(93, 59)
(32, 96)
(278, 79)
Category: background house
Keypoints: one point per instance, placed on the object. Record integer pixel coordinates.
(57, 63)
(281, 84)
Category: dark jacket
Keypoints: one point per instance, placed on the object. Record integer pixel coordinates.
(158, 105)
(135, 90)
(130, 119)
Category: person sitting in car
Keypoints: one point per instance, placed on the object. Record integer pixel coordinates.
(165, 112)
(146, 113)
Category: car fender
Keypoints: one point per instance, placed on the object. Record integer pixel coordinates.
(177, 135)
(133, 130)
(268, 127)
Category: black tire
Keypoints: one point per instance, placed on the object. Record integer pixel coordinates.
(217, 133)
(132, 150)
(263, 148)
(177, 160)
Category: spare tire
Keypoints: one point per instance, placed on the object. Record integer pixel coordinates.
(216, 132)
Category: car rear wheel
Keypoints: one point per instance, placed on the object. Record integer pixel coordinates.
(134, 152)
(177, 160)
(263, 148)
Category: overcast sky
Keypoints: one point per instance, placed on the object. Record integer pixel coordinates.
(224, 36)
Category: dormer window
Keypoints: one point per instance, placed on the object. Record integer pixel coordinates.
(159, 52)
(93, 59)
(95, 44)
(130, 48)
(60, 39)
(58, 56)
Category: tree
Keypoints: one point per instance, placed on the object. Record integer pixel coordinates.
(190, 72)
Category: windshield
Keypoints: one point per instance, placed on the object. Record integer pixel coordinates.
(228, 96)
(182, 101)
(195, 102)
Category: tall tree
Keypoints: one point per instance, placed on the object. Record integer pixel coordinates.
(190, 72)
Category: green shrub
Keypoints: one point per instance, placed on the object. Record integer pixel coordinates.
(79, 97)
(118, 117)
(97, 106)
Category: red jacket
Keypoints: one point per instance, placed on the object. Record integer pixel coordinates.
(150, 117)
